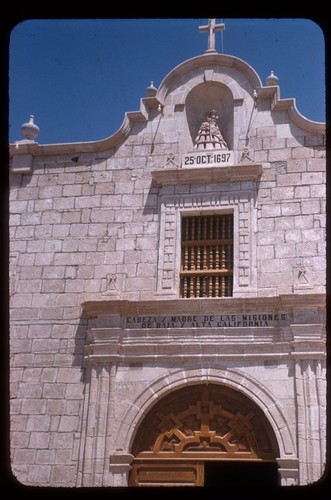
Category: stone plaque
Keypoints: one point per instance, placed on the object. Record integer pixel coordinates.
(167, 476)
(220, 158)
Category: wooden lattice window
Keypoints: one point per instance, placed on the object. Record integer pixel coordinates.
(207, 256)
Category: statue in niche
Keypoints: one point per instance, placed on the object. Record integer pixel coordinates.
(209, 135)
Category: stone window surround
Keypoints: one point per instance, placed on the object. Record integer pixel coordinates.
(241, 204)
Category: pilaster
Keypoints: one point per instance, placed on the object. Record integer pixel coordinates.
(310, 385)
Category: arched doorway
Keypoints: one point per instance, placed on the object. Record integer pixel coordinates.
(195, 435)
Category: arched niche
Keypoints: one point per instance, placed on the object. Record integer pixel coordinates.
(201, 100)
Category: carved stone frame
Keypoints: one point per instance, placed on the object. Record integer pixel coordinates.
(229, 200)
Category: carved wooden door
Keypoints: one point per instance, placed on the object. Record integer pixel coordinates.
(195, 424)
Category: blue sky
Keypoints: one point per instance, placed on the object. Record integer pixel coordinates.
(78, 77)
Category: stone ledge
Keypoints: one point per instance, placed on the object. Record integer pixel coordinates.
(102, 355)
(185, 175)
(115, 307)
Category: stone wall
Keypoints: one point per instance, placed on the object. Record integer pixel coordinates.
(95, 225)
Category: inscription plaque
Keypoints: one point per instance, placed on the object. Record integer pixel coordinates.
(208, 158)
(167, 476)
(224, 320)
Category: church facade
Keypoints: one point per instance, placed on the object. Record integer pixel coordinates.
(167, 290)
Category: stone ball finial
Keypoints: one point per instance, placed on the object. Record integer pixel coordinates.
(30, 130)
(272, 79)
(151, 90)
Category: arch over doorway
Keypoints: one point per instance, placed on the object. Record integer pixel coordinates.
(229, 377)
(194, 426)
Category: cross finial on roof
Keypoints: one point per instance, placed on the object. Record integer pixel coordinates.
(211, 29)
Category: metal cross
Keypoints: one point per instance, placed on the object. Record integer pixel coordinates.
(211, 29)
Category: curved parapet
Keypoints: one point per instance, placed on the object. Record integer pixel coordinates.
(204, 63)
(130, 119)
(208, 62)
(303, 122)
(272, 92)
(225, 71)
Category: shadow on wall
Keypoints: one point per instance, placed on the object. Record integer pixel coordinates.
(80, 340)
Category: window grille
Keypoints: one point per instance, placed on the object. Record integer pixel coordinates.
(207, 256)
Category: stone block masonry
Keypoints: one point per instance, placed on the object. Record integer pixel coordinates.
(95, 239)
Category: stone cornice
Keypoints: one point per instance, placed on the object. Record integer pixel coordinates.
(140, 332)
(260, 344)
(115, 307)
(185, 175)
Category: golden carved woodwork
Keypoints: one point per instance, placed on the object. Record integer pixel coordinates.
(199, 423)
(205, 419)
